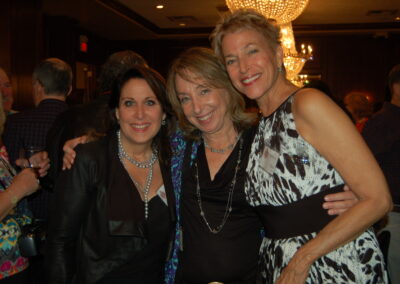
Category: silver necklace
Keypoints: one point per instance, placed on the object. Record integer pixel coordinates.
(228, 208)
(223, 150)
(147, 164)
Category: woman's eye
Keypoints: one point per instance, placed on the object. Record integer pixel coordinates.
(204, 91)
(128, 103)
(182, 100)
(150, 102)
(252, 51)
(229, 61)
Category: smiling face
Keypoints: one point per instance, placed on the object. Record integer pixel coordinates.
(139, 113)
(251, 63)
(204, 106)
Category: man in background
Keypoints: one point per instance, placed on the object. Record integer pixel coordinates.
(52, 82)
(382, 134)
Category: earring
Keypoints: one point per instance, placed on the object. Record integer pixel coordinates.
(280, 69)
(163, 122)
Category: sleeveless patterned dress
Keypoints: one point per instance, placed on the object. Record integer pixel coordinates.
(295, 170)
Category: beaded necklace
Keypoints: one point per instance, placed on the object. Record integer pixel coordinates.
(228, 208)
(146, 164)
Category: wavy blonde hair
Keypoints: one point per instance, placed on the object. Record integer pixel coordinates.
(245, 19)
(201, 63)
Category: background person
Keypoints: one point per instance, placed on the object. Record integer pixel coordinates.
(360, 106)
(382, 134)
(14, 212)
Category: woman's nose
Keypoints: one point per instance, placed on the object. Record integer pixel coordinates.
(139, 113)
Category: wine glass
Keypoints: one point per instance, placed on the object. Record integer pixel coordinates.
(27, 153)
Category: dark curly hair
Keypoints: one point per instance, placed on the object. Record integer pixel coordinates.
(157, 84)
(116, 65)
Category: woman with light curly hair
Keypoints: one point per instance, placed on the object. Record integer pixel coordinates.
(305, 147)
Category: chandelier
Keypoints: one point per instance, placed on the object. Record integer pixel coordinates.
(283, 12)
(293, 60)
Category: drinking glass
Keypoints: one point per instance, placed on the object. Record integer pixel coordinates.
(26, 154)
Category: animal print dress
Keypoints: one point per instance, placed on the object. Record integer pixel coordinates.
(295, 170)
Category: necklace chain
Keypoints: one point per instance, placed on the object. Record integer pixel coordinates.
(228, 208)
(223, 150)
(147, 164)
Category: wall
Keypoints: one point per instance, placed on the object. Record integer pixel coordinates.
(353, 62)
(21, 25)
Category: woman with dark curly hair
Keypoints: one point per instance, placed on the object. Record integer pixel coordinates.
(112, 212)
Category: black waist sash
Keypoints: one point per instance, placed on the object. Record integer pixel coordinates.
(298, 218)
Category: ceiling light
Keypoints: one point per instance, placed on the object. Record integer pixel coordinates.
(160, 6)
(182, 24)
(397, 18)
(283, 11)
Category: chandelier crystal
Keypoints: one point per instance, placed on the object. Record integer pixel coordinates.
(293, 60)
(283, 11)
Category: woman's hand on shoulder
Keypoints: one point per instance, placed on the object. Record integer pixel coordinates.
(69, 152)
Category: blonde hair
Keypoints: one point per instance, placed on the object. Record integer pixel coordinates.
(201, 63)
(245, 19)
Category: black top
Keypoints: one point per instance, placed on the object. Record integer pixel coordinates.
(229, 256)
(146, 266)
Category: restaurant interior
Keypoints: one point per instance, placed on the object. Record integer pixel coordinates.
(350, 45)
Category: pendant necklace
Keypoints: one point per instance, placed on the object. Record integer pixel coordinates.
(146, 164)
(228, 208)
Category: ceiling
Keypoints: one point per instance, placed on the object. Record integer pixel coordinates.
(139, 19)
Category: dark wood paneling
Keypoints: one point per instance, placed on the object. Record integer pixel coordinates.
(22, 46)
(353, 62)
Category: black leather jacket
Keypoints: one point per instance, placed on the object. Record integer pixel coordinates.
(83, 243)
